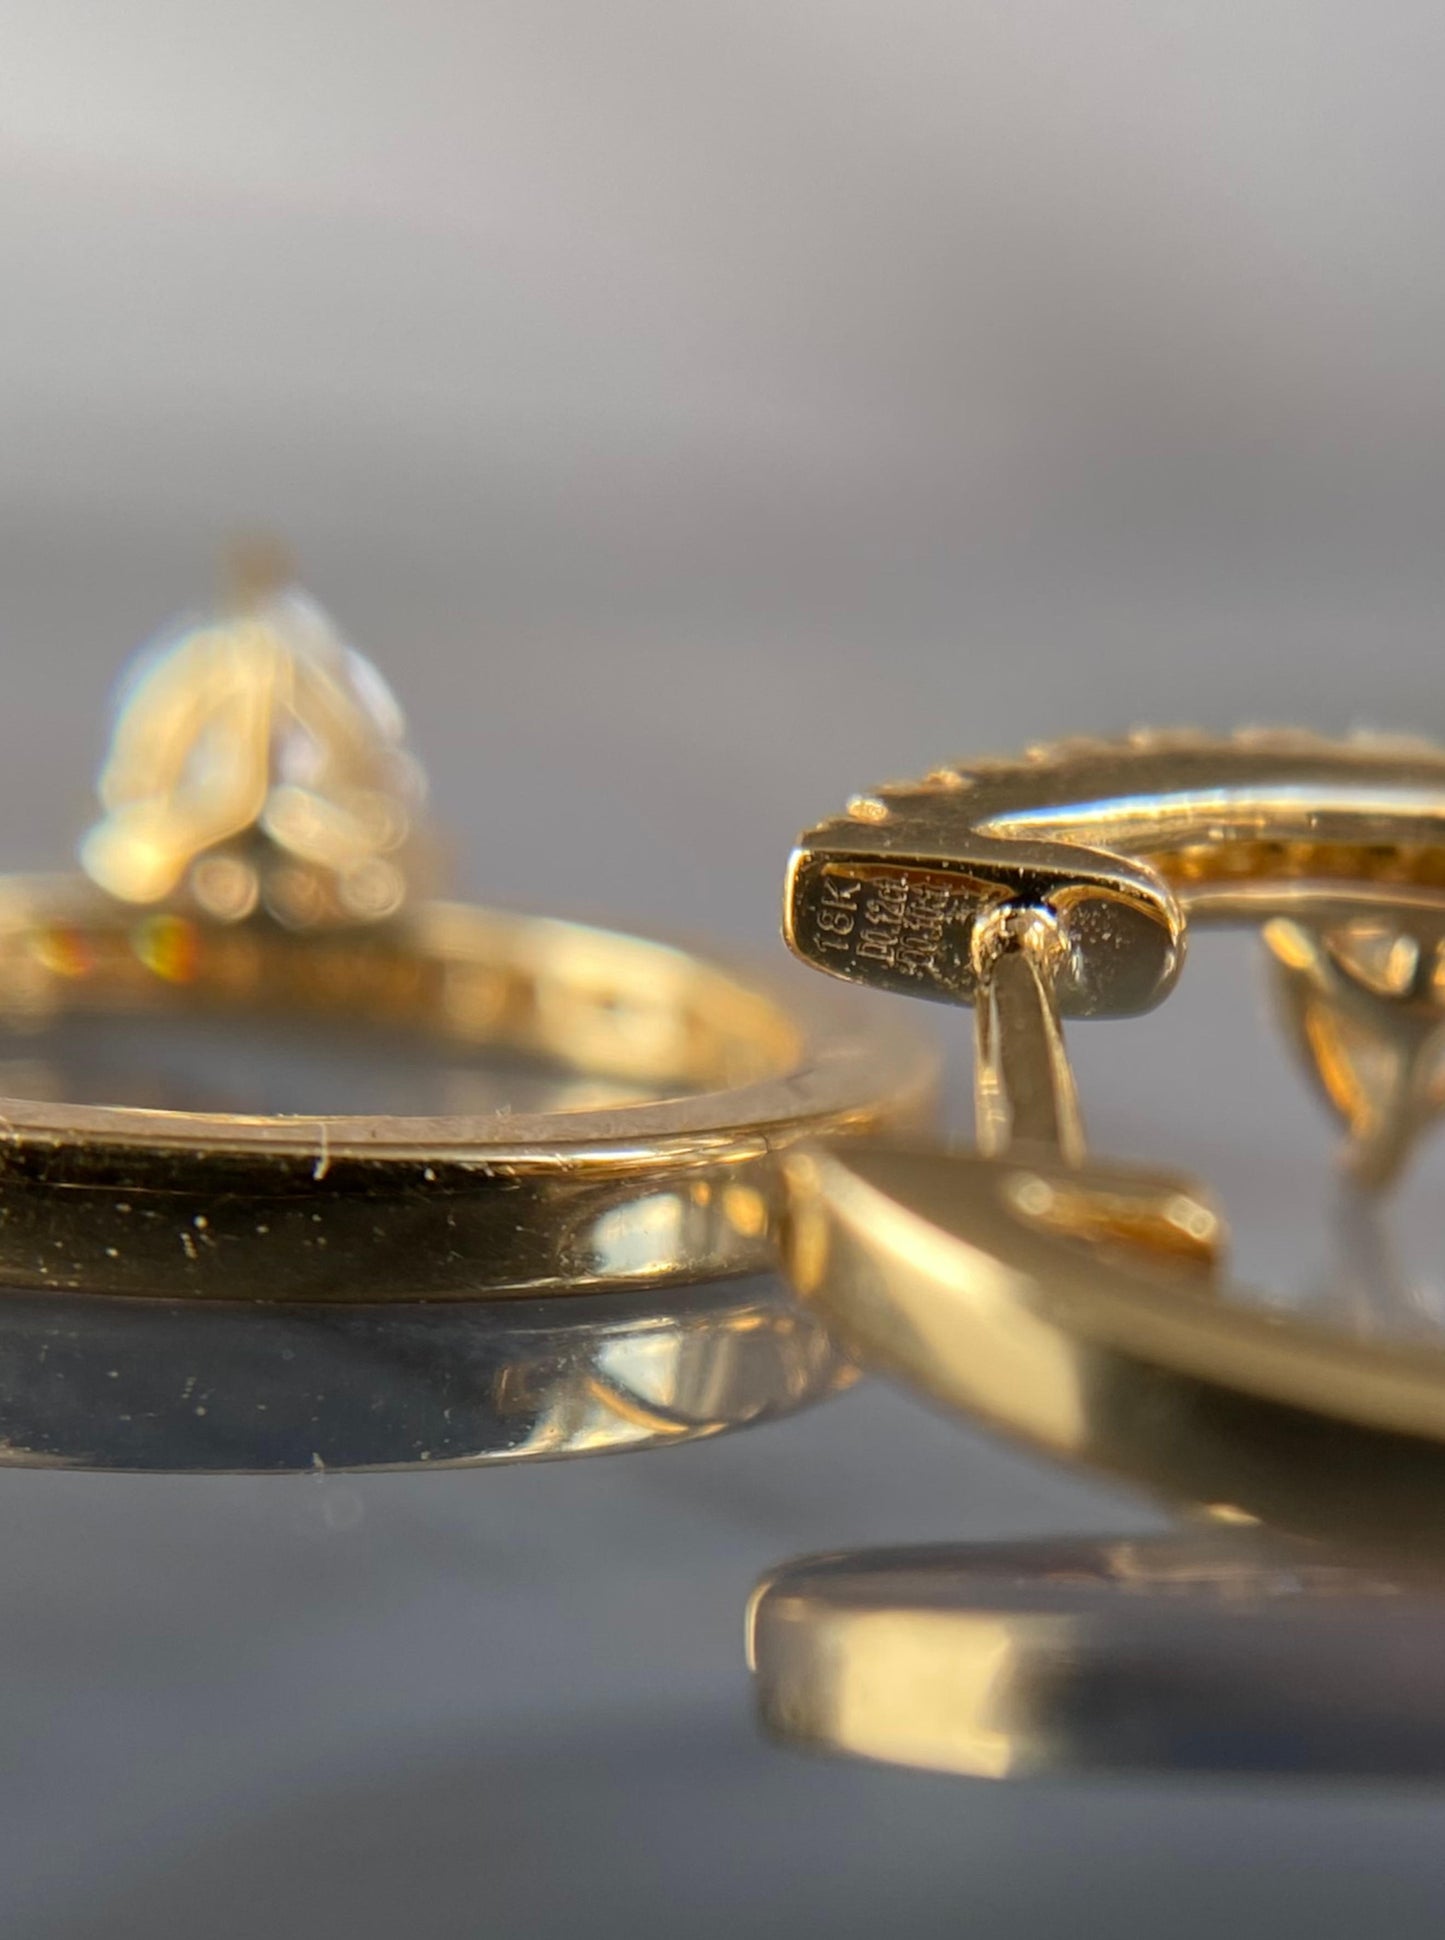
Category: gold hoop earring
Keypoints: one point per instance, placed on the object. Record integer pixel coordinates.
(1076, 1303)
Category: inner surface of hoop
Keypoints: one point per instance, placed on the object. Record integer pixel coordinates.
(675, 1183)
(582, 1001)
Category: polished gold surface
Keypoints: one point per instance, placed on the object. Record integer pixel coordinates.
(261, 856)
(1076, 1302)
(1121, 843)
(1211, 1651)
(677, 1187)
(957, 1273)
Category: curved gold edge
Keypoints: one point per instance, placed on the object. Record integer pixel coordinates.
(110, 1200)
(1209, 1651)
(1121, 840)
(595, 1002)
(926, 1265)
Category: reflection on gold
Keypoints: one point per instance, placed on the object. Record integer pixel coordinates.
(182, 1386)
(642, 1237)
(642, 1020)
(596, 1005)
(929, 1691)
(473, 1001)
(746, 1210)
(1214, 1650)
(652, 1235)
(1157, 1215)
(1121, 1358)
(62, 951)
(838, 1667)
(583, 1418)
(632, 1169)
(169, 947)
(681, 1367)
(905, 1290)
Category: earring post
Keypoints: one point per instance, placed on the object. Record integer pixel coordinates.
(1025, 1097)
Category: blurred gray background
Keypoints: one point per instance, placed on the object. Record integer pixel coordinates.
(703, 410)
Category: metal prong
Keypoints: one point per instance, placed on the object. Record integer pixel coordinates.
(255, 567)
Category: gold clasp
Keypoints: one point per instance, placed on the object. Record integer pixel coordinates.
(1063, 885)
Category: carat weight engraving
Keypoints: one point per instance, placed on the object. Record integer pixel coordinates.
(1115, 841)
(898, 924)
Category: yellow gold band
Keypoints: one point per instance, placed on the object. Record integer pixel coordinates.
(112, 1200)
